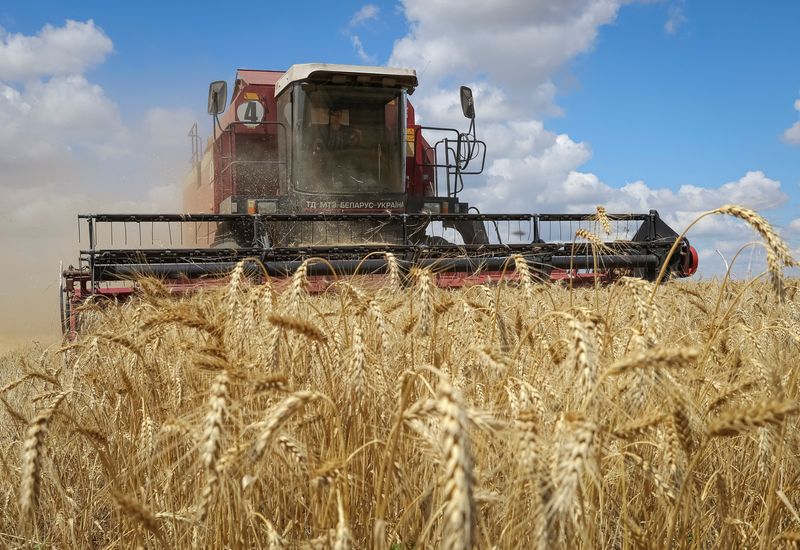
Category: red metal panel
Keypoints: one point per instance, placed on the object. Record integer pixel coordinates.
(411, 182)
(249, 83)
(417, 184)
(259, 82)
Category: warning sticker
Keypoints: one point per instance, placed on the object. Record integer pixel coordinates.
(410, 142)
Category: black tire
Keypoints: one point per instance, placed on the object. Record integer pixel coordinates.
(64, 308)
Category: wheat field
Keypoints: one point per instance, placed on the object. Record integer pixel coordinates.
(397, 415)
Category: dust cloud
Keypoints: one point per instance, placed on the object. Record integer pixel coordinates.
(39, 232)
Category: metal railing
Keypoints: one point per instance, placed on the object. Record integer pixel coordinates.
(458, 153)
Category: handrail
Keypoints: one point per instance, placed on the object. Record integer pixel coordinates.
(458, 168)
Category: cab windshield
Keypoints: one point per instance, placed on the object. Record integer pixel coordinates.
(349, 139)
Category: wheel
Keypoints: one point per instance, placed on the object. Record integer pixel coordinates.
(63, 306)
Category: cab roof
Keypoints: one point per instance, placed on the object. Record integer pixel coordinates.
(329, 73)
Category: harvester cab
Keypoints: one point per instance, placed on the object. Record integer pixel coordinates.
(337, 139)
(329, 161)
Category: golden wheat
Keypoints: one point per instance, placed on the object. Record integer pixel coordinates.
(515, 415)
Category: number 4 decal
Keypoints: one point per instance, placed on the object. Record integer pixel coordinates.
(250, 112)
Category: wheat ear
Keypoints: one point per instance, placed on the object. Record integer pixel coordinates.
(138, 513)
(298, 326)
(424, 289)
(458, 485)
(212, 424)
(591, 237)
(393, 266)
(357, 375)
(602, 218)
(658, 358)
(298, 287)
(32, 460)
(525, 277)
(277, 417)
(737, 421)
(573, 458)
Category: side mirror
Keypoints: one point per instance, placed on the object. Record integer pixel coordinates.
(467, 103)
(217, 97)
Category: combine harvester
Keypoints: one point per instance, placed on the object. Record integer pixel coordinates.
(327, 161)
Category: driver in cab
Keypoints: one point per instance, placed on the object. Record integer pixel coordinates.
(339, 134)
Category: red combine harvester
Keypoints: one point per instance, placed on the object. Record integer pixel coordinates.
(328, 161)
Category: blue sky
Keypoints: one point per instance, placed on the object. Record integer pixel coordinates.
(165, 53)
(679, 105)
(701, 105)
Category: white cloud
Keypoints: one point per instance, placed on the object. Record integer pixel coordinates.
(509, 52)
(45, 124)
(539, 169)
(367, 13)
(359, 48)
(66, 50)
(676, 17)
(517, 46)
(753, 190)
(794, 225)
(792, 135)
(65, 149)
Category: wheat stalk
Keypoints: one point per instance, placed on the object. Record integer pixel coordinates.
(343, 538)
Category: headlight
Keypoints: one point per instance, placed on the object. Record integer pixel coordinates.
(267, 207)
